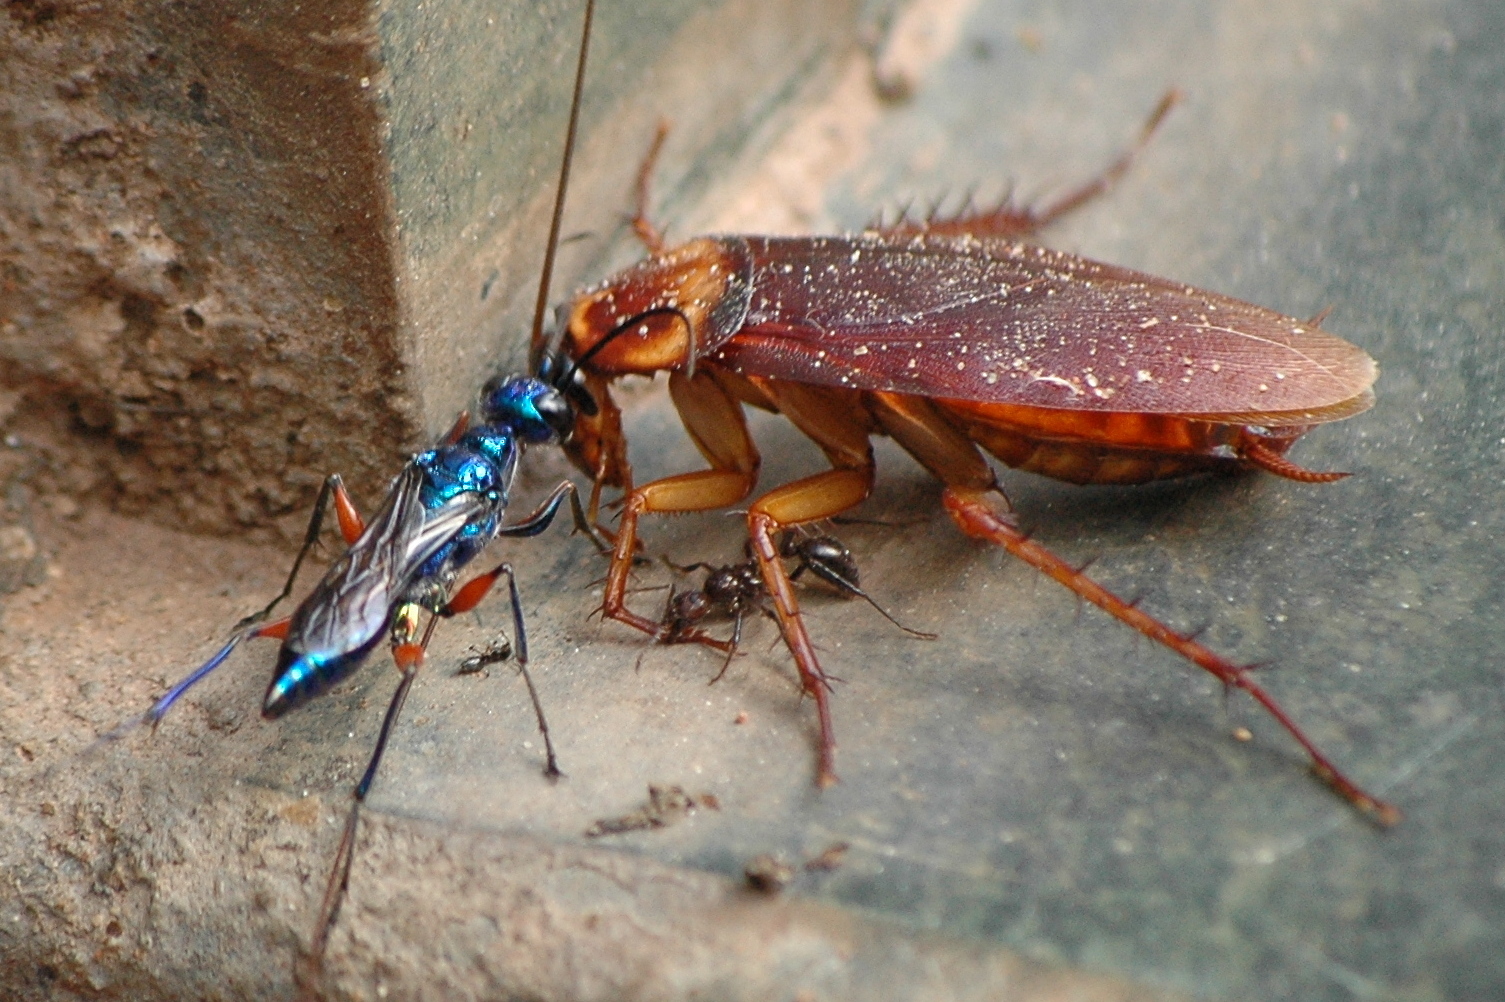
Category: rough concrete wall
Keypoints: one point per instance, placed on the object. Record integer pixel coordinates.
(198, 279)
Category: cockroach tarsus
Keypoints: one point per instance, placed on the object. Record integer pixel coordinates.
(954, 338)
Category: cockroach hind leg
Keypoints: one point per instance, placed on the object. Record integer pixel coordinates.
(1010, 220)
(651, 236)
(972, 512)
(1320, 315)
(1256, 453)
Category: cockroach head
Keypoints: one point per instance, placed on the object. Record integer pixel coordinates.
(554, 368)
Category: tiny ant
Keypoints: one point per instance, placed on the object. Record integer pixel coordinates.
(736, 589)
(496, 652)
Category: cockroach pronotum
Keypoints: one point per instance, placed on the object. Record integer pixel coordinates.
(952, 337)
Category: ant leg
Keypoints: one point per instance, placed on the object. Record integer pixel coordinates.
(732, 646)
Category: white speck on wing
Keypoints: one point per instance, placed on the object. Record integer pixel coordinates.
(1058, 381)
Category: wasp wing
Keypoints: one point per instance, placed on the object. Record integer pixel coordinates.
(351, 605)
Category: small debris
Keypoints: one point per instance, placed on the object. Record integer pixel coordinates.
(768, 874)
(666, 805)
(831, 859)
(740, 718)
(22, 562)
(303, 812)
(1243, 734)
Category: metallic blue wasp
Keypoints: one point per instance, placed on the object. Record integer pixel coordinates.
(444, 507)
(442, 510)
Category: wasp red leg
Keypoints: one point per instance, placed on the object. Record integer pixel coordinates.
(351, 527)
(971, 510)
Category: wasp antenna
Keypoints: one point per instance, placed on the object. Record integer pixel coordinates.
(541, 305)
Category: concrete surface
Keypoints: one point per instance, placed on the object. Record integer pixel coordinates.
(1036, 781)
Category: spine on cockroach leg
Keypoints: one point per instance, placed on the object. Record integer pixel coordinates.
(972, 511)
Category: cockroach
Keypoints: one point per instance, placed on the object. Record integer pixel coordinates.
(954, 336)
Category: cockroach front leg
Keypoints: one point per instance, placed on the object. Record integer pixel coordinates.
(715, 422)
(807, 500)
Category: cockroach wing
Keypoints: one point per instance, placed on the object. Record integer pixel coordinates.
(1013, 323)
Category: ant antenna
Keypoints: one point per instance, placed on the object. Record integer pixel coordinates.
(536, 340)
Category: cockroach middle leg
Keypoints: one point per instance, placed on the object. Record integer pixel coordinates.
(808, 500)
